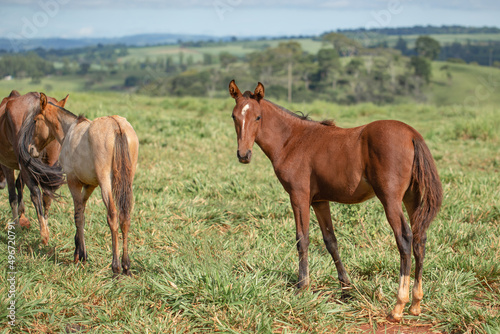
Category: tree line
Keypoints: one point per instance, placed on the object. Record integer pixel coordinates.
(342, 71)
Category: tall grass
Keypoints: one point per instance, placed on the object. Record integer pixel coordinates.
(212, 242)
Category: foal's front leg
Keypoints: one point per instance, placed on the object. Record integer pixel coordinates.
(322, 210)
(301, 212)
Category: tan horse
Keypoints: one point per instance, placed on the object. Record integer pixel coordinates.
(318, 162)
(95, 153)
(43, 172)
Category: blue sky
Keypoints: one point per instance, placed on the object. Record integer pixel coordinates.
(107, 18)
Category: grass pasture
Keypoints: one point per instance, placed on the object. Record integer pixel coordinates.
(212, 241)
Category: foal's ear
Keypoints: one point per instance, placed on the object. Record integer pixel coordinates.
(234, 91)
(259, 92)
(43, 102)
(62, 103)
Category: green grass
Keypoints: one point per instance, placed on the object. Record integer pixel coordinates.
(212, 241)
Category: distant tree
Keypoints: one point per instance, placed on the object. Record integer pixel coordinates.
(329, 65)
(84, 68)
(132, 81)
(427, 47)
(288, 54)
(227, 59)
(422, 67)
(401, 45)
(207, 59)
(345, 46)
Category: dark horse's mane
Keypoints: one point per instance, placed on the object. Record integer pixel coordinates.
(50, 178)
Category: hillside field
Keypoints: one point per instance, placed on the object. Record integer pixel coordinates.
(212, 241)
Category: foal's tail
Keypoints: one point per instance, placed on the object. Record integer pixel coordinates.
(426, 184)
(122, 175)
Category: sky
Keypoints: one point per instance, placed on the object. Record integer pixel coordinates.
(218, 18)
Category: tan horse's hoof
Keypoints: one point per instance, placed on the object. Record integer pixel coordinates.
(415, 310)
(393, 318)
(45, 240)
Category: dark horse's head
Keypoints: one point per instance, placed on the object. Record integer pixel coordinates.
(36, 162)
(247, 116)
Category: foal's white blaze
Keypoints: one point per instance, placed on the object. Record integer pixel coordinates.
(243, 112)
(245, 109)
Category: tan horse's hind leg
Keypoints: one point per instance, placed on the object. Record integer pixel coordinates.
(109, 202)
(125, 225)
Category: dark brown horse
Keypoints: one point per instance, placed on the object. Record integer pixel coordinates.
(318, 162)
(14, 109)
(103, 153)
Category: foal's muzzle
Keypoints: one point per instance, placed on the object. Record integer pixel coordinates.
(244, 159)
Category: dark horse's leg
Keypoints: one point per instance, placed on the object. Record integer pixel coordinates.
(3, 180)
(47, 201)
(80, 196)
(11, 187)
(301, 212)
(403, 234)
(322, 210)
(36, 198)
(23, 221)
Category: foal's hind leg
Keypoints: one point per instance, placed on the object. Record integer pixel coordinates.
(322, 210)
(403, 234)
(411, 201)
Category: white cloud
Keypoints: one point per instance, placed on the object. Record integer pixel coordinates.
(85, 32)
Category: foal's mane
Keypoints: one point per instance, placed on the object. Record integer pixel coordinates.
(300, 115)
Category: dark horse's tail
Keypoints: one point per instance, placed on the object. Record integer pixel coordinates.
(425, 183)
(49, 178)
(122, 176)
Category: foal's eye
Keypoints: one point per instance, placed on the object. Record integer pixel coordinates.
(258, 118)
(232, 116)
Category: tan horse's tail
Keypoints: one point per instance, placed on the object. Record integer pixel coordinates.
(425, 183)
(122, 175)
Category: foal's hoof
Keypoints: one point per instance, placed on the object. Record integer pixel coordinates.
(3, 183)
